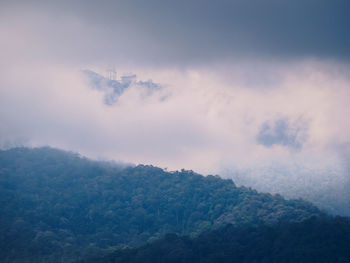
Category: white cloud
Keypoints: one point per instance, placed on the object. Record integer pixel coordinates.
(206, 113)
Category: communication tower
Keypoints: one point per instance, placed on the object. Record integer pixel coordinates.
(111, 74)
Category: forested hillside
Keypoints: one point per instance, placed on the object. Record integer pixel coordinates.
(59, 207)
(318, 239)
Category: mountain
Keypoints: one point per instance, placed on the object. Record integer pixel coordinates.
(59, 207)
(318, 239)
(113, 88)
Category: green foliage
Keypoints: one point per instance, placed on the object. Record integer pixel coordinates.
(57, 206)
(318, 239)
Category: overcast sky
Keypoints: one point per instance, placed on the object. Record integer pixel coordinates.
(245, 85)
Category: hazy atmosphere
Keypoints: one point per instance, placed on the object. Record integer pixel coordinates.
(257, 91)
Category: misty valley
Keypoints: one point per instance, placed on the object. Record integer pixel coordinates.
(58, 206)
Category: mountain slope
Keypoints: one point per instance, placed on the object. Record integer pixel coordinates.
(57, 206)
(318, 239)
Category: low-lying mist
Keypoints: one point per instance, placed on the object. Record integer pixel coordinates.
(275, 127)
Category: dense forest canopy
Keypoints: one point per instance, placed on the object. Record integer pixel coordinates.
(318, 239)
(58, 206)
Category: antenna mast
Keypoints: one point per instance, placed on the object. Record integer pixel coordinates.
(111, 73)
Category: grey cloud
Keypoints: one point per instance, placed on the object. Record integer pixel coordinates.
(282, 132)
(188, 32)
